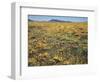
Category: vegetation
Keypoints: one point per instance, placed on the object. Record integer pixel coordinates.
(57, 43)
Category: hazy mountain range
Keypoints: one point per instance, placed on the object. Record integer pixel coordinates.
(52, 20)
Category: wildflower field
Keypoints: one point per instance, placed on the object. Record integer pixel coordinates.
(57, 43)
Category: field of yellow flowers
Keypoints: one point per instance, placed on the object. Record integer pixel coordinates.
(57, 43)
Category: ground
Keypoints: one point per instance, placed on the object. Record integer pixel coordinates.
(57, 43)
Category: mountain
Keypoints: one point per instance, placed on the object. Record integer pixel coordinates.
(52, 20)
(30, 20)
(56, 20)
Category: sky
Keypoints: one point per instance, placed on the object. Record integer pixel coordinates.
(63, 18)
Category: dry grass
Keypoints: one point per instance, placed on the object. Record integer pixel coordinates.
(57, 43)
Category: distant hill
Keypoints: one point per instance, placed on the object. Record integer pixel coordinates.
(52, 20)
(30, 20)
(56, 20)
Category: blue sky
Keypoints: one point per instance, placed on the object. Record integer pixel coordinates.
(64, 18)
